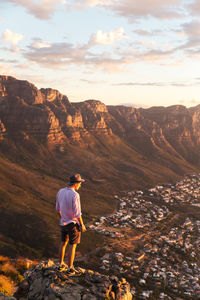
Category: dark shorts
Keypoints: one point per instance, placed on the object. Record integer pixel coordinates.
(72, 230)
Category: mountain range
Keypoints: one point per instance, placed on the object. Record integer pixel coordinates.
(44, 138)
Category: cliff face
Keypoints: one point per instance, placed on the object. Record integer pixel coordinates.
(12, 88)
(180, 127)
(196, 123)
(166, 135)
(47, 115)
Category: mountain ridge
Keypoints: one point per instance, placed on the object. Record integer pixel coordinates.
(163, 136)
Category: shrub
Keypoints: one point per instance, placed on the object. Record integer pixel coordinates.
(6, 285)
(3, 259)
(8, 269)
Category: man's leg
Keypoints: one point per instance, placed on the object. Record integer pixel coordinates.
(62, 250)
(71, 255)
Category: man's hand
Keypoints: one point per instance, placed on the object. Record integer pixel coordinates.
(83, 228)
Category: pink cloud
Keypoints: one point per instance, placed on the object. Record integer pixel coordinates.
(134, 9)
(12, 39)
(42, 9)
(107, 38)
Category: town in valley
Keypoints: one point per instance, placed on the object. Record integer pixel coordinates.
(153, 240)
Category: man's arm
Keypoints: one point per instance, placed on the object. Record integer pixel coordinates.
(77, 211)
(83, 228)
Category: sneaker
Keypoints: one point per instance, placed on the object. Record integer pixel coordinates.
(74, 272)
(63, 267)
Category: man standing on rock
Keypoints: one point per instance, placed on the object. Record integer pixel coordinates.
(69, 209)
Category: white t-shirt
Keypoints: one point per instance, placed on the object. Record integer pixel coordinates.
(68, 203)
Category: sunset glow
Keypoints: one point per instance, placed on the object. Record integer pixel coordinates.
(141, 52)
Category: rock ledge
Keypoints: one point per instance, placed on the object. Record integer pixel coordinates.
(46, 282)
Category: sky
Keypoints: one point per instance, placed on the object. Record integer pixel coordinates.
(145, 52)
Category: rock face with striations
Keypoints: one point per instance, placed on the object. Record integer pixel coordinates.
(47, 115)
(12, 88)
(46, 282)
(169, 137)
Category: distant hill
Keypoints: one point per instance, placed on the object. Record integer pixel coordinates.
(44, 138)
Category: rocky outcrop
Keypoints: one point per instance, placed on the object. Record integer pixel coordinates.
(12, 88)
(51, 95)
(95, 117)
(46, 282)
(4, 297)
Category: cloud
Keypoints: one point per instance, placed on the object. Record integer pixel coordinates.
(55, 54)
(144, 32)
(22, 67)
(156, 55)
(39, 44)
(41, 9)
(58, 55)
(134, 9)
(106, 62)
(194, 7)
(10, 61)
(159, 84)
(131, 9)
(93, 82)
(107, 38)
(98, 2)
(12, 39)
(81, 4)
(191, 34)
(147, 52)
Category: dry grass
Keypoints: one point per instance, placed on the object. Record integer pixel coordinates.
(3, 259)
(7, 286)
(8, 269)
(11, 273)
(22, 264)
